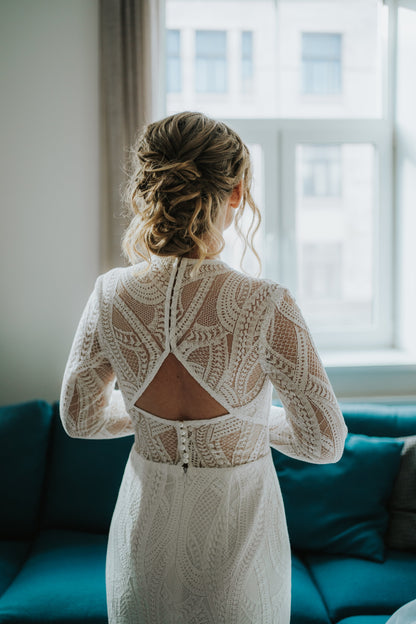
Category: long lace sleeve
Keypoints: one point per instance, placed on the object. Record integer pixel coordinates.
(90, 407)
(310, 425)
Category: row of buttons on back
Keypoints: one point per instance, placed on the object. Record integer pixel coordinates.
(183, 446)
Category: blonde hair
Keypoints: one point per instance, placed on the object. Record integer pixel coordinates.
(182, 170)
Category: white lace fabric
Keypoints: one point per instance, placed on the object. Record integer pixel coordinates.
(207, 543)
(233, 333)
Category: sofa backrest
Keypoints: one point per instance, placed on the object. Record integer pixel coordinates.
(50, 480)
(380, 420)
(343, 508)
(24, 441)
(83, 480)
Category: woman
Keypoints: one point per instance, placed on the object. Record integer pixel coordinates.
(198, 534)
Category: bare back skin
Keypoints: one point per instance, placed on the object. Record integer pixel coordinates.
(175, 395)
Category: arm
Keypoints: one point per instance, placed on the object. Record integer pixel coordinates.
(89, 405)
(310, 425)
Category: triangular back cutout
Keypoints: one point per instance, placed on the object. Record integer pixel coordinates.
(174, 394)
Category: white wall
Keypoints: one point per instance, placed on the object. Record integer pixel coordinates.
(49, 180)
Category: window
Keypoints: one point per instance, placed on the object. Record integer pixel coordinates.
(211, 61)
(321, 170)
(247, 69)
(340, 230)
(322, 165)
(173, 61)
(321, 63)
(336, 240)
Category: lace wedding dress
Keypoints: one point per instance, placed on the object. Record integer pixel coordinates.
(198, 535)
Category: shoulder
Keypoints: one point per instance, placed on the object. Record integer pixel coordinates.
(270, 292)
(108, 281)
(283, 305)
(258, 295)
(107, 285)
(277, 294)
(252, 283)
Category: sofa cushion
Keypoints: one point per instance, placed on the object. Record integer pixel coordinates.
(307, 605)
(401, 533)
(88, 472)
(24, 431)
(352, 586)
(62, 581)
(12, 556)
(341, 508)
(380, 420)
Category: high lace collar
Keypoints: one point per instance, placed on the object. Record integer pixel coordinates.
(169, 261)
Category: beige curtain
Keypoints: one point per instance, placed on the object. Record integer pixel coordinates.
(132, 87)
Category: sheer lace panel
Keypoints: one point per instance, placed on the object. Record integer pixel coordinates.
(311, 426)
(90, 408)
(217, 330)
(224, 442)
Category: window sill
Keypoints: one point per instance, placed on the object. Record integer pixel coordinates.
(379, 375)
(370, 358)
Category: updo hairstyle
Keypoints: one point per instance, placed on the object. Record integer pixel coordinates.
(183, 170)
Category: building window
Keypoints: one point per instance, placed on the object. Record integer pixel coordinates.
(211, 61)
(321, 63)
(321, 170)
(247, 69)
(321, 271)
(173, 61)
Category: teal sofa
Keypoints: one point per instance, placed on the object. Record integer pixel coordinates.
(57, 495)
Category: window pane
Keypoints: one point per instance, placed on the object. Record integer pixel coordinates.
(247, 45)
(321, 46)
(173, 62)
(211, 61)
(335, 234)
(211, 43)
(311, 58)
(321, 77)
(172, 42)
(247, 68)
(321, 170)
(321, 270)
(321, 63)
